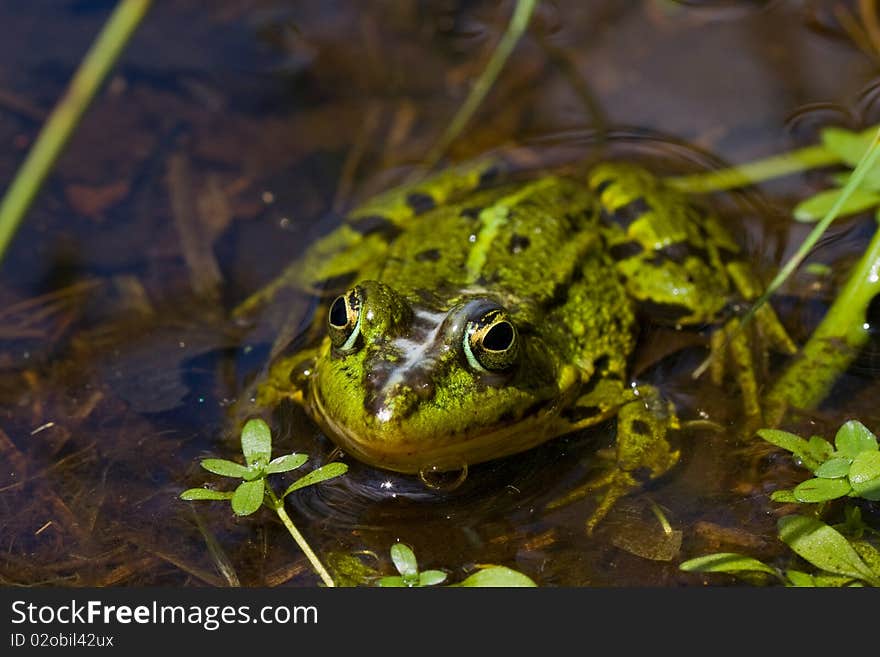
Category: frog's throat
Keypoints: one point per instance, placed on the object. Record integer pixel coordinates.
(410, 455)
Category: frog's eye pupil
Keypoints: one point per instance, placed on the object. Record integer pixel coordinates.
(499, 337)
(338, 313)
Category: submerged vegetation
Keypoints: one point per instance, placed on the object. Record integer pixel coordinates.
(845, 554)
(255, 491)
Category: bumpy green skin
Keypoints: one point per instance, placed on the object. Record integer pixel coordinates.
(571, 260)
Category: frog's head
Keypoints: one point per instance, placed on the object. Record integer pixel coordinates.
(408, 388)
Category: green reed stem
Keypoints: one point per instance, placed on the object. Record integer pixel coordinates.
(855, 179)
(742, 175)
(64, 118)
(519, 21)
(835, 342)
(278, 506)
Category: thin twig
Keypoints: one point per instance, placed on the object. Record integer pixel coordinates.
(522, 13)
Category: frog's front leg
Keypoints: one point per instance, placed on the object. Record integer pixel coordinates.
(733, 345)
(286, 378)
(641, 452)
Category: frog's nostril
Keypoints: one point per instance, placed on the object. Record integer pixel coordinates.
(422, 387)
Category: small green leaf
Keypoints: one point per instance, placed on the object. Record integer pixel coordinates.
(256, 442)
(497, 576)
(869, 554)
(852, 525)
(225, 468)
(248, 497)
(819, 450)
(811, 453)
(205, 494)
(830, 580)
(864, 475)
(316, 476)
(854, 437)
(391, 580)
(286, 463)
(725, 562)
(821, 490)
(431, 577)
(798, 578)
(817, 206)
(824, 547)
(834, 468)
(785, 496)
(784, 439)
(849, 146)
(404, 559)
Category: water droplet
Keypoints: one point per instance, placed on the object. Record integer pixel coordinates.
(445, 480)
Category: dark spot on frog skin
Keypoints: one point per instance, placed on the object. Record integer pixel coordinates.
(428, 255)
(602, 186)
(600, 364)
(625, 215)
(625, 250)
(577, 414)
(420, 202)
(640, 427)
(576, 220)
(677, 253)
(669, 312)
(472, 213)
(518, 243)
(374, 223)
(727, 256)
(489, 175)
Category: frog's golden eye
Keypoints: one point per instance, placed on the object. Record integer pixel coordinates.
(344, 320)
(491, 341)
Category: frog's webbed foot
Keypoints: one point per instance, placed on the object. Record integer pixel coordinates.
(641, 453)
(744, 350)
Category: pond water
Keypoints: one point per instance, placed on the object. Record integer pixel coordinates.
(234, 133)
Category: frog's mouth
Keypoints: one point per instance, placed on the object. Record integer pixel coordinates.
(413, 454)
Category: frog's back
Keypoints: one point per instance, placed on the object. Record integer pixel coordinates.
(524, 242)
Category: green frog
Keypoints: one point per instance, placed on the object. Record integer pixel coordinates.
(469, 317)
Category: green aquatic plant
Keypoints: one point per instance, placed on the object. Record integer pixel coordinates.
(850, 467)
(840, 561)
(352, 571)
(55, 134)
(843, 331)
(849, 147)
(404, 560)
(254, 491)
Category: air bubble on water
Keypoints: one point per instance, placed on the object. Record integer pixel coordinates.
(444, 480)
